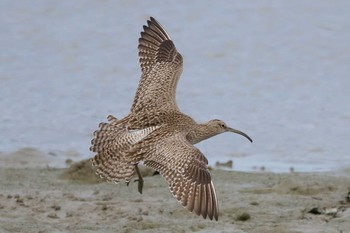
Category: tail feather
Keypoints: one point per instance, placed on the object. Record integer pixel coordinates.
(110, 159)
(113, 169)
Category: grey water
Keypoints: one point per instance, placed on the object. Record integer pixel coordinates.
(277, 70)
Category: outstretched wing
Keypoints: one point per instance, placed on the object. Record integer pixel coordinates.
(185, 169)
(161, 67)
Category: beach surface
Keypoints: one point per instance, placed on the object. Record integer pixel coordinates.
(35, 197)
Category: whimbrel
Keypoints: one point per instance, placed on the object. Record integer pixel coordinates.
(157, 133)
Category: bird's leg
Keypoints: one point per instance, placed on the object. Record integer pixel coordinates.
(140, 180)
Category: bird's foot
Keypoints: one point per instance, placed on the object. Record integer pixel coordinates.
(139, 185)
(140, 180)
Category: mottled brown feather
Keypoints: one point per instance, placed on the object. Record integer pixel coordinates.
(187, 175)
(161, 67)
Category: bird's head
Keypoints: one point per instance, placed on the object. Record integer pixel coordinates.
(218, 126)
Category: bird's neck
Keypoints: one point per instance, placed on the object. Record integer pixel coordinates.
(200, 133)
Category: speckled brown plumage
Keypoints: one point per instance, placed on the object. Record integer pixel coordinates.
(156, 133)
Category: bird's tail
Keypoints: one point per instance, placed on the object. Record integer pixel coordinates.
(110, 161)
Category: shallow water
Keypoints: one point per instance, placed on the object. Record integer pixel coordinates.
(275, 70)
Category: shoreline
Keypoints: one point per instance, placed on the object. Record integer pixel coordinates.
(33, 157)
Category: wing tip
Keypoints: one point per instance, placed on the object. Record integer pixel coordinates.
(203, 201)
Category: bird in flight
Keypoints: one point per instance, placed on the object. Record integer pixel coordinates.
(157, 133)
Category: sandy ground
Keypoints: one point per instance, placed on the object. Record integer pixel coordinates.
(37, 198)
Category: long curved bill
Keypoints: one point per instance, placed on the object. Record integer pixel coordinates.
(239, 132)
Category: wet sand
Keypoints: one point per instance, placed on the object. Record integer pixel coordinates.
(37, 198)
